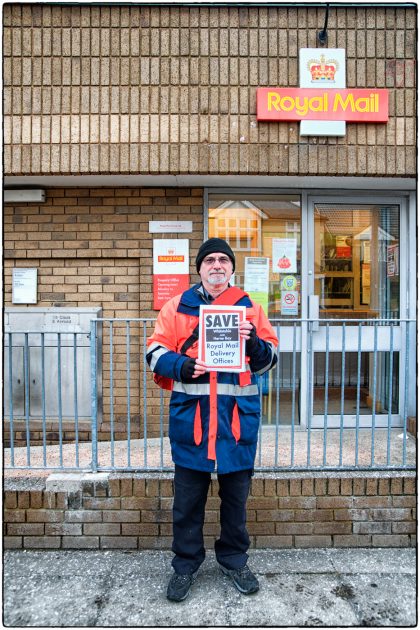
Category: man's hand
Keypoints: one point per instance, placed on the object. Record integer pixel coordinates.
(200, 368)
(245, 329)
(192, 368)
(248, 332)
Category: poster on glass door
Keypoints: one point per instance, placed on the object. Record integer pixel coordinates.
(284, 255)
(257, 270)
(289, 303)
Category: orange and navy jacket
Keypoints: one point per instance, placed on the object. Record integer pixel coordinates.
(216, 416)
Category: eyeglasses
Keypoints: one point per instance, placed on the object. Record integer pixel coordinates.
(223, 260)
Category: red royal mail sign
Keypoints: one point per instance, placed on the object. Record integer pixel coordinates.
(319, 104)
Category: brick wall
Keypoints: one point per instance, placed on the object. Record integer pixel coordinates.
(139, 89)
(92, 247)
(284, 510)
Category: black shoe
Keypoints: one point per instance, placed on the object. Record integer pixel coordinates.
(244, 580)
(179, 587)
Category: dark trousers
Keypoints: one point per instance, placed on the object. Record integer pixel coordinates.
(190, 496)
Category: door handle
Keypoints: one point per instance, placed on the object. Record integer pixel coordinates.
(314, 311)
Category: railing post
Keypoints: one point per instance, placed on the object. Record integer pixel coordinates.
(94, 395)
(309, 406)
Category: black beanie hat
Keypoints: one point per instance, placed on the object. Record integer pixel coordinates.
(212, 246)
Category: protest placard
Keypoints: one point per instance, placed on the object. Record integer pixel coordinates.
(220, 345)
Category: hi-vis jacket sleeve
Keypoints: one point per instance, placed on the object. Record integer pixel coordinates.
(162, 356)
(263, 355)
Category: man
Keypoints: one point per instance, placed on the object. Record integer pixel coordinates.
(213, 417)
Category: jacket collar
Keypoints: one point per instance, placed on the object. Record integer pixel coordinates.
(192, 298)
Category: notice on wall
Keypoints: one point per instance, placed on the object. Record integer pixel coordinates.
(220, 345)
(257, 270)
(24, 286)
(170, 269)
(284, 255)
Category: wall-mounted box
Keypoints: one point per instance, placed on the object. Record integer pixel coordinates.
(50, 355)
(24, 195)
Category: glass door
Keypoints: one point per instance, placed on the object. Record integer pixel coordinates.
(264, 231)
(355, 281)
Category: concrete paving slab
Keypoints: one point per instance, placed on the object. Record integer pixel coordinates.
(382, 600)
(293, 600)
(299, 587)
(141, 601)
(51, 600)
(127, 563)
(379, 560)
(292, 561)
(57, 563)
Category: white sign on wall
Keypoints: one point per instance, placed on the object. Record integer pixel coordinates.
(322, 68)
(24, 286)
(170, 226)
(170, 256)
(170, 269)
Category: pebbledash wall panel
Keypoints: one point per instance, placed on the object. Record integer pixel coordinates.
(157, 90)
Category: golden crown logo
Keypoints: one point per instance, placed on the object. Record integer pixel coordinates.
(323, 71)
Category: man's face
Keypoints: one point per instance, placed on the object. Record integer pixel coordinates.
(216, 270)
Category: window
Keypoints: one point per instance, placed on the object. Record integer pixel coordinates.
(259, 227)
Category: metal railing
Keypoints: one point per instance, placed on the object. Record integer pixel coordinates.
(337, 399)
